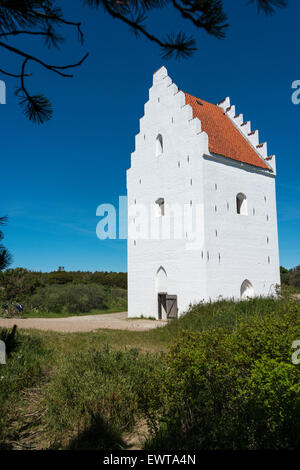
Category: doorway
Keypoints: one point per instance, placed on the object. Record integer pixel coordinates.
(167, 306)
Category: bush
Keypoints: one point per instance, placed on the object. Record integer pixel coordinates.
(18, 284)
(290, 277)
(231, 390)
(73, 298)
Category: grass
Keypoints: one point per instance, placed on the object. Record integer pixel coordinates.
(27, 362)
(92, 386)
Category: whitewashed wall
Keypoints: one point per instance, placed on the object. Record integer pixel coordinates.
(247, 245)
(180, 175)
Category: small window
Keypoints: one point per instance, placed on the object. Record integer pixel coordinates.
(159, 145)
(216, 187)
(188, 159)
(160, 206)
(241, 204)
(191, 182)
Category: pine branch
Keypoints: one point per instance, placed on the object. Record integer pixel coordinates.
(183, 48)
(53, 68)
(178, 45)
(41, 18)
(3, 220)
(5, 258)
(13, 74)
(36, 18)
(268, 6)
(36, 107)
(208, 15)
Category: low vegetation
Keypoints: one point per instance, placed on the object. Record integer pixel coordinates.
(26, 364)
(236, 390)
(77, 298)
(221, 377)
(291, 277)
(62, 293)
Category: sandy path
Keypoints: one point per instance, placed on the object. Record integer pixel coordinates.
(111, 321)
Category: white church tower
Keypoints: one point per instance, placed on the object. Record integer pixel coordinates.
(201, 206)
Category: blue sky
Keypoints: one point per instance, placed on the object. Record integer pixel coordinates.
(55, 176)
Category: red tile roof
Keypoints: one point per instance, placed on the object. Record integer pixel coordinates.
(223, 136)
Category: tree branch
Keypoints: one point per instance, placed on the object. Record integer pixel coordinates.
(181, 45)
(33, 33)
(13, 74)
(53, 68)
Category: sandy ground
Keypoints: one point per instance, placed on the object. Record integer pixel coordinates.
(111, 321)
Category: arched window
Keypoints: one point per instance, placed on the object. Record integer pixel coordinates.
(161, 280)
(160, 206)
(159, 145)
(247, 291)
(241, 204)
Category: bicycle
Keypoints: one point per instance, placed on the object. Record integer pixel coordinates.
(14, 312)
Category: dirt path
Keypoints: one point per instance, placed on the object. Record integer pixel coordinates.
(111, 321)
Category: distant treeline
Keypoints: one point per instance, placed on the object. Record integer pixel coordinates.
(290, 277)
(20, 282)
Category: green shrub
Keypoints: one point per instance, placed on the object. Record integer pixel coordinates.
(19, 283)
(74, 298)
(232, 390)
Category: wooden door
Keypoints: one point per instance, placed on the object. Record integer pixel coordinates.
(171, 306)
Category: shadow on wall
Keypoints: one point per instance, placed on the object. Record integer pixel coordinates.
(247, 290)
